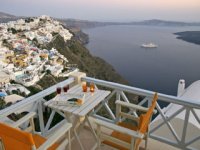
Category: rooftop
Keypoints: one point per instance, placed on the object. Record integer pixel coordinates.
(13, 98)
(19, 42)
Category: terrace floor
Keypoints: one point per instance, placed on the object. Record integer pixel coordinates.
(89, 141)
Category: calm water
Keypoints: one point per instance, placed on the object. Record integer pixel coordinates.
(155, 69)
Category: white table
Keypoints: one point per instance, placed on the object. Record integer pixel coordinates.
(77, 112)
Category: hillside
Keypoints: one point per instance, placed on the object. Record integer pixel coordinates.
(49, 50)
(78, 54)
(74, 23)
(189, 36)
(79, 35)
(5, 17)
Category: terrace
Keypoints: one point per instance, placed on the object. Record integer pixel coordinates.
(179, 129)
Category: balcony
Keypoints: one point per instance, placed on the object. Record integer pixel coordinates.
(176, 126)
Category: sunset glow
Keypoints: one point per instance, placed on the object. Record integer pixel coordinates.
(113, 10)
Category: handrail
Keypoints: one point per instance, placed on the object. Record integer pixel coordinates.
(138, 91)
(183, 105)
(7, 111)
(120, 91)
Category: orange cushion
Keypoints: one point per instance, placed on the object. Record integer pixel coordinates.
(143, 127)
(39, 140)
(121, 136)
(14, 138)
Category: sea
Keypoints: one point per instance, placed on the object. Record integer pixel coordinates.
(156, 69)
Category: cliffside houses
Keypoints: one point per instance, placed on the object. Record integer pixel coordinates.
(20, 56)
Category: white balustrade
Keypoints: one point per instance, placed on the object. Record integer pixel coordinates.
(175, 138)
(35, 103)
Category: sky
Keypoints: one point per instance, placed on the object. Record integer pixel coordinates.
(106, 10)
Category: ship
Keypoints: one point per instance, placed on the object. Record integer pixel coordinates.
(149, 45)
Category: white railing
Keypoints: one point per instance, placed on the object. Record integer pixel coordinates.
(34, 104)
(175, 139)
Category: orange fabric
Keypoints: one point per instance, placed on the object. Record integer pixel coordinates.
(114, 145)
(15, 139)
(39, 140)
(142, 128)
(145, 119)
(121, 136)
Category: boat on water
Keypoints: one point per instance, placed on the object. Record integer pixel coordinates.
(149, 45)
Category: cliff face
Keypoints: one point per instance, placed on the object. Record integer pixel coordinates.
(5, 17)
(78, 54)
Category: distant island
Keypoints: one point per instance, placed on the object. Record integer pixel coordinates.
(189, 36)
(82, 24)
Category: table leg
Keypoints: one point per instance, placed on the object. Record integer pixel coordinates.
(81, 126)
(75, 123)
(69, 143)
(77, 137)
(91, 128)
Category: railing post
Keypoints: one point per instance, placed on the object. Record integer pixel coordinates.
(118, 95)
(118, 111)
(181, 87)
(187, 114)
(77, 77)
(40, 115)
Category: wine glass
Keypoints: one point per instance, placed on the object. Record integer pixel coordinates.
(58, 90)
(66, 88)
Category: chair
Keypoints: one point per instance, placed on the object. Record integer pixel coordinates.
(125, 135)
(14, 139)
